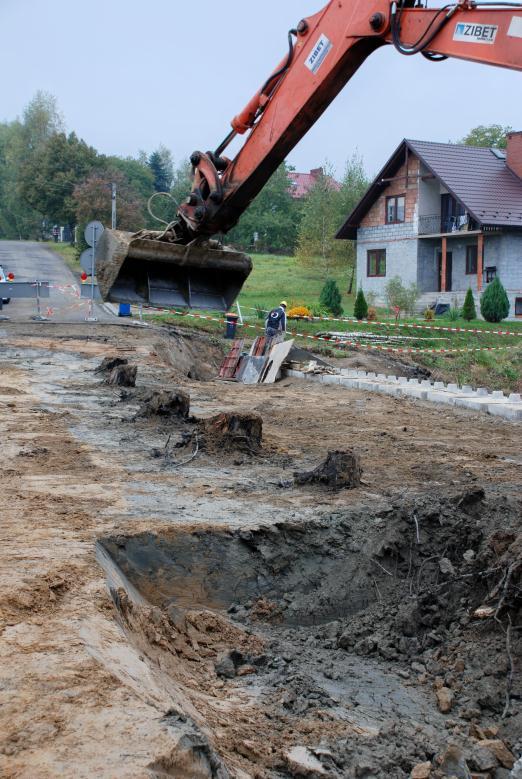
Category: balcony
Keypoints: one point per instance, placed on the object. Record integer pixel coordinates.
(435, 224)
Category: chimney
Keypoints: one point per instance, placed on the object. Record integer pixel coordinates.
(514, 153)
(316, 173)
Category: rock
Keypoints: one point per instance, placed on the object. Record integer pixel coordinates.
(445, 699)
(421, 771)
(407, 619)
(225, 666)
(123, 376)
(246, 670)
(452, 763)
(469, 556)
(446, 566)
(418, 668)
(301, 762)
(482, 758)
(500, 751)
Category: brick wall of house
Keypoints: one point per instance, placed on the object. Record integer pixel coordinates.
(376, 216)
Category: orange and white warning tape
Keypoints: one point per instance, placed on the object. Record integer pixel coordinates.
(342, 343)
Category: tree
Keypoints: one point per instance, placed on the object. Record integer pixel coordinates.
(162, 168)
(469, 311)
(490, 136)
(41, 120)
(271, 221)
(494, 303)
(320, 221)
(92, 200)
(360, 310)
(331, 297)
(48, 177)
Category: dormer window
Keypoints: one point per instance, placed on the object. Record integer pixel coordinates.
(395, 209)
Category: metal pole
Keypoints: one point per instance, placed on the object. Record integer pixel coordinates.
(91, 317)
(113, 221)
(239, 313)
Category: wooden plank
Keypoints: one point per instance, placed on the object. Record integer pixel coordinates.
(276, 358)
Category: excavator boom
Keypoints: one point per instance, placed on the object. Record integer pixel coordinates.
(325, 50)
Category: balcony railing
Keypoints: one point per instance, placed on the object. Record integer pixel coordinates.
(435, 224)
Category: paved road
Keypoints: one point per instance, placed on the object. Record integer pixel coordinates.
(29, 261)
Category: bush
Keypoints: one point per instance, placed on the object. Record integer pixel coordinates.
(469, 311)
(454, 314)
(401, 297)
(260, 311)
(429, 314)
(360, 309)
(494, 303)
(331, 298)
(299, 312)
(372, 314)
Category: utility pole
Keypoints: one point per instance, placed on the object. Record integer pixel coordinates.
(113, 197)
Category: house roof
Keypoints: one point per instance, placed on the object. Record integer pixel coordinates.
(477, 177)
(302, 183)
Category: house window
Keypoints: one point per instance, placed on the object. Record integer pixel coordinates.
(518, 306)
(377, 262)
(491, 273)
(471, 260)
(395, 209)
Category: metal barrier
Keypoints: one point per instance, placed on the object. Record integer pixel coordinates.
(27, 290)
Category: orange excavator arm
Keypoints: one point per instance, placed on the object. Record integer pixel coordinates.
(325, 50)
(180, 266)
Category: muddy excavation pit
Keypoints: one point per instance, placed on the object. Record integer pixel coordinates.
(337, 636)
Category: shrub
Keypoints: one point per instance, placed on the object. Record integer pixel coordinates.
(401, 297)
(318, 310)
(260, 311)
(371, 298)
(331, 297)
(469, 311)
(429, 314)
(494, 303)
(299, 312)
(360, 310)
(454, 314)
(372, 314)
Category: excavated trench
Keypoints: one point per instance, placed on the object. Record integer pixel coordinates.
(320, 624)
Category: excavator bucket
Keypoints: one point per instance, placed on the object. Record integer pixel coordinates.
(134, 269)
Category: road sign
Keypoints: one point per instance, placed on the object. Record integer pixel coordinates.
(93, 232)
(87, 261)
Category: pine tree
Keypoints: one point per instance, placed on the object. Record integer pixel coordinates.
(494, 304)
(160, 163)
(469, 311)
(331, 297)
(360, 310)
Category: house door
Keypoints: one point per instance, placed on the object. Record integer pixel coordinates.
(450, 210)
(449, 271)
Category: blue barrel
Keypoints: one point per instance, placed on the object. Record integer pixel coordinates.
(125, 309)
(231, 328)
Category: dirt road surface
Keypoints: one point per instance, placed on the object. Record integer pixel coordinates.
(174, 608)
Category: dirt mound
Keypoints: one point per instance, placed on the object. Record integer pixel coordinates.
(193, 355)
(165, 403)
(340, 470)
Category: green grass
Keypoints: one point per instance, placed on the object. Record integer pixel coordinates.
(276, 278)
(67, 252)
(283, 278)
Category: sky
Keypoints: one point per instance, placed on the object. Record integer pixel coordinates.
(134, 74)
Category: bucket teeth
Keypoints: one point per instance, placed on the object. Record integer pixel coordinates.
(137, 270)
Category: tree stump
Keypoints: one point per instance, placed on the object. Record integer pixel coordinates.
(109, 363)
(123, 376)
(162, 403)
(340, 470)
(233, 431)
